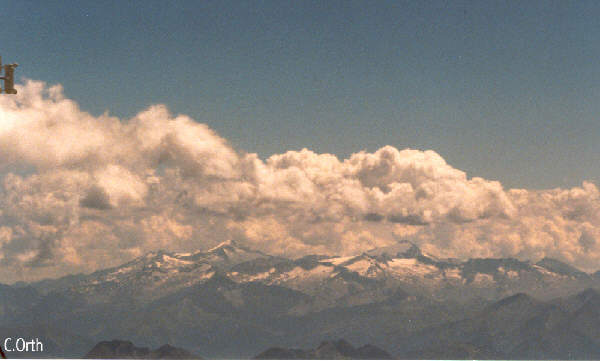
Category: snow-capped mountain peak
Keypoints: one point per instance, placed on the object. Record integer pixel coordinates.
(402, 249)
(230, 253)
(229, 244)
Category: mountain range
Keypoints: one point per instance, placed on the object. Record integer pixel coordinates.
(327, 350)
(119, 349)
(234, 302)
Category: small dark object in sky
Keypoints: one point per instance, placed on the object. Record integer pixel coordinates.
(9, 74)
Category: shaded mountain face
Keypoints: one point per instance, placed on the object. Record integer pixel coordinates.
(517, 327)
(561, 268)
(327, 350)
(584, 314)
(118, 349)
(458, 351)
(16, 301)
(233, 302)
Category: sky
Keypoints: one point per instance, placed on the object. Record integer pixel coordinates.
(298, 127)
(503, 90)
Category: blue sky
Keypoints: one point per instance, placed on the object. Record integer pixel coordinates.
(502, 90)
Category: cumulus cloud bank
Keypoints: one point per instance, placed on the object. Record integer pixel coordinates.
(80, 192)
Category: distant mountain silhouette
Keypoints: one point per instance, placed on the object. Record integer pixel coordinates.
(119, 349)
(327, 350)
(458, 351)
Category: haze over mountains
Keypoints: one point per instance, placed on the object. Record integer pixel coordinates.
(327, 350)
(235, 302)
(334, 350)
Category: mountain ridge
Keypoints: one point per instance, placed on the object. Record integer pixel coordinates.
(402, 265)
(233, 302)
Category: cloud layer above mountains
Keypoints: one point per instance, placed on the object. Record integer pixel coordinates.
(80, 192)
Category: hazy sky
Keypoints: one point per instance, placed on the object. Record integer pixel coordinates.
(503, 90)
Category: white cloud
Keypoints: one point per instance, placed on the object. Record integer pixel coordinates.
(81, 192)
